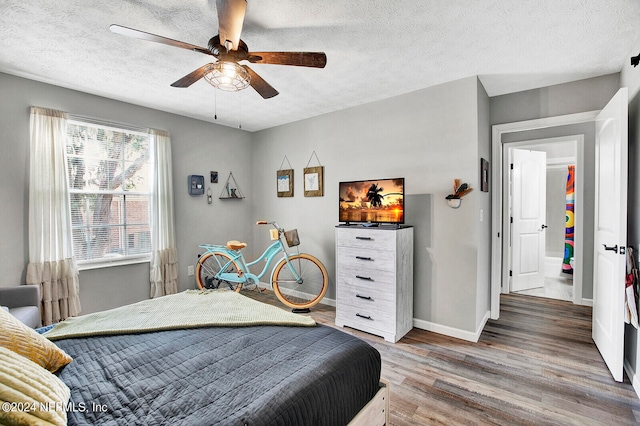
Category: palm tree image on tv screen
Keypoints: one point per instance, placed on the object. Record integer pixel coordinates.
(374, 201)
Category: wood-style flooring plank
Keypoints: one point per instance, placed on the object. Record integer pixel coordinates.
(536, 365)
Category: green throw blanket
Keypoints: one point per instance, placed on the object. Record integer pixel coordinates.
(189, 309)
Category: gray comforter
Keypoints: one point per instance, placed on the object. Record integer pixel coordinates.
(261, 375)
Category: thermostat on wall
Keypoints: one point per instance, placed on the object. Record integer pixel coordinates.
(196, 184)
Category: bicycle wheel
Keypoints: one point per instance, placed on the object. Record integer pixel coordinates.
(309, 290)
(209, 265)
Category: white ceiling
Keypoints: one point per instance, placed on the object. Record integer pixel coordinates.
(375, 49)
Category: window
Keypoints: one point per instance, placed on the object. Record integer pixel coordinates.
(109, 180)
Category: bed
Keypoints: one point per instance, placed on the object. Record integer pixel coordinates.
(143, 365)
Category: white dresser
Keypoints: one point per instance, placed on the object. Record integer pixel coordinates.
(374, 280)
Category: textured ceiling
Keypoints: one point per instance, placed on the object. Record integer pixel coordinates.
(375, 49)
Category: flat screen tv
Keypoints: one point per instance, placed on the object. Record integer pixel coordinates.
(379, 201)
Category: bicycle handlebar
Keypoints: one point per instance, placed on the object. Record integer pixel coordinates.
(275, 224)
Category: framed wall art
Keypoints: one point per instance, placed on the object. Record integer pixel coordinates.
(314, 178)
(285, 183)
(314, 181)
(484, 175)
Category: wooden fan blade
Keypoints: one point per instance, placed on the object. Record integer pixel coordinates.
(263, 88)
(300, 59)
(230, 20)
(130, 32)
(191, 78)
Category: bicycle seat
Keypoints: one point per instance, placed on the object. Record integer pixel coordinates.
(235, 245)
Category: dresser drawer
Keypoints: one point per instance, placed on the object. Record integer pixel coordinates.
(366, 238)
(351, 275)
(364, 258)
(366, 318)
(379, 298)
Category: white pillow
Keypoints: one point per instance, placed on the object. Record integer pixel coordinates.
(29, 394)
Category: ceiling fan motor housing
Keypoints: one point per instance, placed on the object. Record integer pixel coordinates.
(218, 49)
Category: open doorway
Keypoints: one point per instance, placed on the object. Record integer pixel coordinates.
(607, 132)
(544, 232)
(550, 127)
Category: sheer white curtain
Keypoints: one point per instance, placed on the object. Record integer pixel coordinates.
(51, 262)
(164, 255)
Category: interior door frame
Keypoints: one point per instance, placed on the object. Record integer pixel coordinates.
(578, 141)
(497, 176)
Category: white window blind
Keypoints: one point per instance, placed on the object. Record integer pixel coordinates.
(109, 182)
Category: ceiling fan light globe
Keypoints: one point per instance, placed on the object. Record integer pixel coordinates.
(229, 70)
(227, 76)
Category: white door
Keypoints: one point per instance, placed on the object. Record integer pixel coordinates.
(610, 232)
(529, 189)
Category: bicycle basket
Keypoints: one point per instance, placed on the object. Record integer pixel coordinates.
(292, 238)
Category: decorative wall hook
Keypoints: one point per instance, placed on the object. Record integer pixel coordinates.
(635, 60)
(459, 190)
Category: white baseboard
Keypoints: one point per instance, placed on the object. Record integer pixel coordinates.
(425, 325)
(451, 331)
(633, 376)
(325, 300)
(586, 302)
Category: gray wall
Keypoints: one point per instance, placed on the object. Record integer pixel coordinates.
(630, 77)
(483, 214)
(561, 99)
(429, 137)
(197, 148)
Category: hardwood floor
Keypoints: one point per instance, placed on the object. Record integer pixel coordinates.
(554, 288)
(536, 365)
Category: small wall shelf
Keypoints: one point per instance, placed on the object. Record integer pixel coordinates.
(454, 203)
(459, 190)
(231, 190)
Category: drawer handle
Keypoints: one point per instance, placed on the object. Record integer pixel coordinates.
(365, 317)
(364, 278)
(364, 238)
(364, 297)
(363, 258)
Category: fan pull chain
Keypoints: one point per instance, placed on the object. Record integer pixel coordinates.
(215, 104)
(240, 111)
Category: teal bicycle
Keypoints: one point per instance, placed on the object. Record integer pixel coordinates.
(299, 280)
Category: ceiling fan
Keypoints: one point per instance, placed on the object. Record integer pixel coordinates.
(228, 49)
